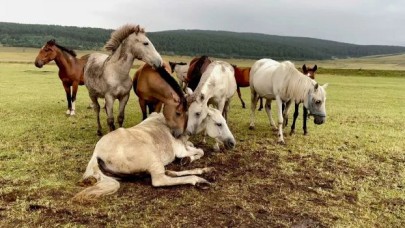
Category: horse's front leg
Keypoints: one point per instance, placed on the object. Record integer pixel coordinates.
(121, 113)
(109, 107)
(75, 87)
(66, 86)
(96, 107)
(296, 112)
(280, 120)
(188, 153)
(304, 122)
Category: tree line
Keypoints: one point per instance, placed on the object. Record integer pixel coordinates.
(195, 42)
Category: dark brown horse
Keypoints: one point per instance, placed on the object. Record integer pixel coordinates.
(197, 67)
(310, 72)
(155, 87)
(242, 80)
(70, 69)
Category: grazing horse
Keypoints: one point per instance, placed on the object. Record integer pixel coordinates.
(181, 72)
(70, 69)
(107, 76)
(197, 67)
(283, 82)
(157, 87)
(310, 72)
(148, 146)
(217, 86)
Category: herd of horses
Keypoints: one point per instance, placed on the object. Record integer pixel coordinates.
(197, 102)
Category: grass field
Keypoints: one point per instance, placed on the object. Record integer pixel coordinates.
(349, 172)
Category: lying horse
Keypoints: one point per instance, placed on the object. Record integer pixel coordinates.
(181, 72)
(148, 146)
(107, 76)
(155, 87)
(70, 69)
(283, 82)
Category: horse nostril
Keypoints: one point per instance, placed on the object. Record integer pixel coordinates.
(188, 133)
(230, 143)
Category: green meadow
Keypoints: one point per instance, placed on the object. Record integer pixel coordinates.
(348, 172)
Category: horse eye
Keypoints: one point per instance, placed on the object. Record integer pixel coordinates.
(198, 113)
(178, 114)
(317, 102)
(219, 124)
(145, 43)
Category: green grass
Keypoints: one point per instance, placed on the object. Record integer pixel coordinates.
(349, 172)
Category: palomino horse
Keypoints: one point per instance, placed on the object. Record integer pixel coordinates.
(70, 69)
(148, 146)
(283, 82)
(310, 72)
(197, 67)
(154, 87)
(107, 76)
(181, 72)
(216, 87)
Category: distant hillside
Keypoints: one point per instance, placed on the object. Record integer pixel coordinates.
(196, 42)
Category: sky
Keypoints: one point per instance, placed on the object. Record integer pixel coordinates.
(378, 22)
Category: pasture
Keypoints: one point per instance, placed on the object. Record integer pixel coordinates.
(348, 172)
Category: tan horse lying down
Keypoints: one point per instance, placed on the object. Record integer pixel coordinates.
(148, 146)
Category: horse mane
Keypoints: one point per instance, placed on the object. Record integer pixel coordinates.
(196, 72)
(298, 84)
(119, 35)
(173, 83)
(70, 51)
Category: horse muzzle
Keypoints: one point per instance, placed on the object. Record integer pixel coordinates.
(177, 133)
(319, 119)
(229, 143)
(39, 64)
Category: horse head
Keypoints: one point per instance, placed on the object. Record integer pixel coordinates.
(46, 54)
(217, 128)
(316, 103)
(175, 113)
(197, 111)
(308, 71)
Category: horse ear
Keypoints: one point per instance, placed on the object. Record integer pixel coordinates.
(51, 42)
(325, 86)
(315, 68)
(316, 86)
(304, 68)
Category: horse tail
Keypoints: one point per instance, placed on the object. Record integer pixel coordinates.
(104, 185)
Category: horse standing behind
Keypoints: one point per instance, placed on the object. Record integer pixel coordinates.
(198, 65)
(148, 146)
(70, 69)
(181, 72)
(157, 87)
(107, 76)
(283, 82)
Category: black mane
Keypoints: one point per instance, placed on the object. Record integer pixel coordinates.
(171, 81)
(196, 73)
(70, 51)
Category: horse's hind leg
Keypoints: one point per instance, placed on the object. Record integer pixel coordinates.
(240, 97)
(253, 98)
(96, 107)
(109, 106)
(267, 107)
(121, 112)
(261, 104)
(161, 179)
(197, 171)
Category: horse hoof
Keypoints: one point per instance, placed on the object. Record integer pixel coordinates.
(99, 133)
(305, 133)
(72, 113)
(203, 185)
(185, 161)
(208, 169)
(292, 132)
(68, 112)
(251, 127)
(281, 142)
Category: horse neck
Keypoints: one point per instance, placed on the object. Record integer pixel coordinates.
(298, 87)
(122, 58)
(63, 61)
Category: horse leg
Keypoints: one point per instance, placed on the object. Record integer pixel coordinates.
(253, 102)
(161, 179)
(197, 171)
(286, 109)
(68, 97)
(267, 108)
(189, 154)
(109, 108)
(74, 92)
(261, 104)
(304, 122)
(142, 104)
(121, 112)
(296, 112)
(280, 120)
(240, 97)
(96, 107)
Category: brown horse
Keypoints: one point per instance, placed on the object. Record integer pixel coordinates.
(196, 68)
(310, 72)
(155, 87)
(70, 69)
(242, 80)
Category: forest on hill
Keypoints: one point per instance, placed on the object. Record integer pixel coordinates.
(195, 42)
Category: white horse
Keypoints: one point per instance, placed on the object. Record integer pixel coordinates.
(216, 87)
(283, 82)
(107, 76)
(181, 72)
(148, 146)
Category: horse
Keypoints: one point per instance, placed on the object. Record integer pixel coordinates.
(107, 76)
(310, 72)
(155, 87)
(282, 82)
(181, 69)
(217, 86)
(148, 146)
(198, 65)
(70, 69)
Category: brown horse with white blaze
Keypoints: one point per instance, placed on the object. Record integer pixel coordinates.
(70, 69)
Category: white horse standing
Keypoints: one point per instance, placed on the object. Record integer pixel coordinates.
(283, 82)
(181, 72)
(148, 146)
(107, 76)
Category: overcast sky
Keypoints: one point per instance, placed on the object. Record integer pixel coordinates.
(351, 21)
